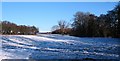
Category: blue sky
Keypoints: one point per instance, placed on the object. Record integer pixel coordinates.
(44, 15)
(60, 0)
(0, 11)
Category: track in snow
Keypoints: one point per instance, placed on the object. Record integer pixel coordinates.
(58, 47)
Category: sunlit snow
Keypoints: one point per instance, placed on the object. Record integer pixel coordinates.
(47, 46)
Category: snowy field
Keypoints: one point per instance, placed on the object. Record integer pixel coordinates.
(58, 47)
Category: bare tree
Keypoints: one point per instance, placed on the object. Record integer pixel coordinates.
(0, 27)
(61, 26)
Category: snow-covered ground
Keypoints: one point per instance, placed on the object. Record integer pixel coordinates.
(47, 46)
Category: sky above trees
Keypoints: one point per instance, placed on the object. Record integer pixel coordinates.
(44, 15)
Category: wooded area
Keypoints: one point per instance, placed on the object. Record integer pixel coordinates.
(90, 25)
(12, 28)
(84, 25)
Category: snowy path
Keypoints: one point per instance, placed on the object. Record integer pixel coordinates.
(58, 47)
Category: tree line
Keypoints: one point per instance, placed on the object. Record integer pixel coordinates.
(12, 28)
(90, 25)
